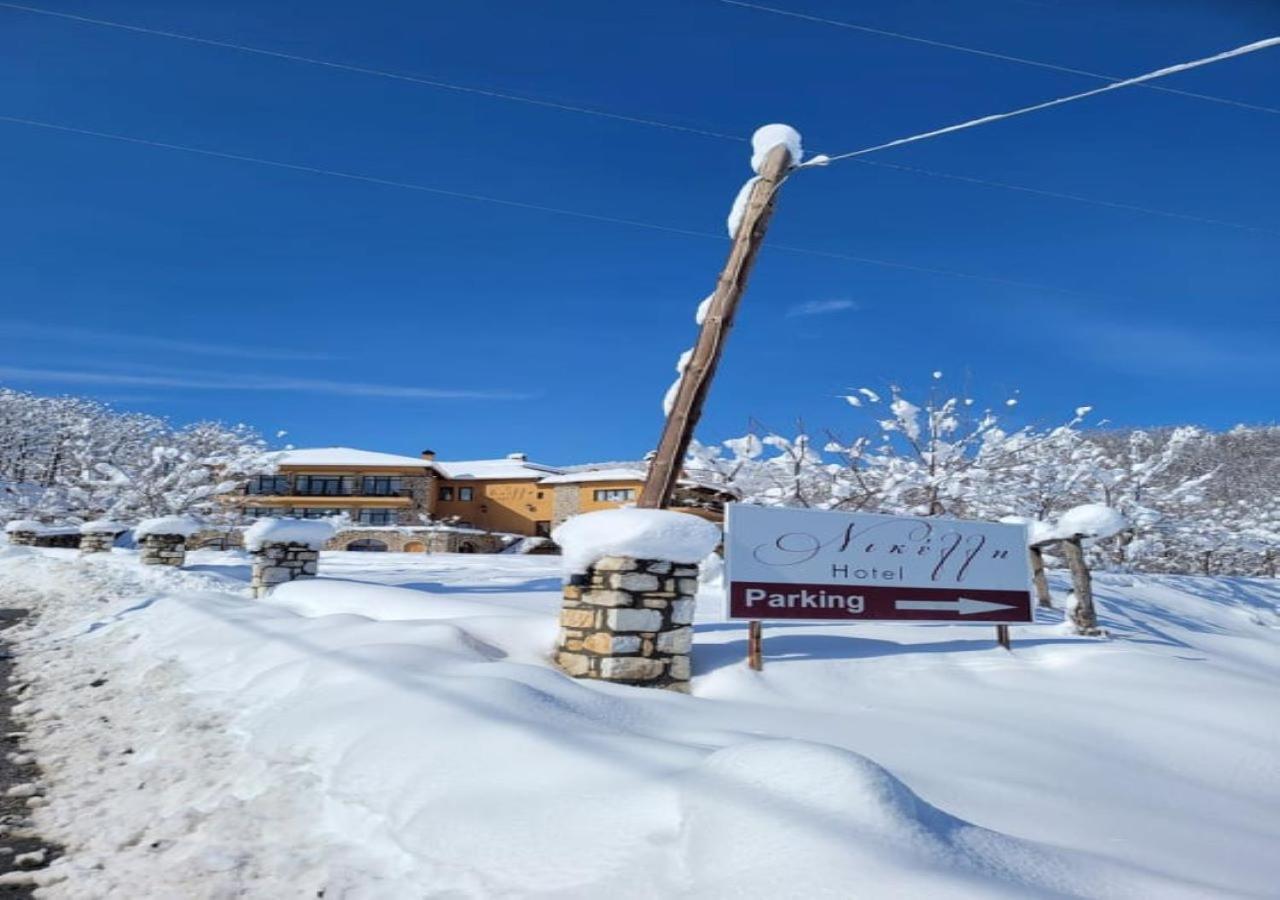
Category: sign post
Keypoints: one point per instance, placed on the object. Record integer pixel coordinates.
(817, 565)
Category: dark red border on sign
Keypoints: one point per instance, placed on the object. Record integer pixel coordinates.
(879, 604)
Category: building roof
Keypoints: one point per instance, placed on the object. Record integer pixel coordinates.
(511, 467)
(617, 473)
(349, 456)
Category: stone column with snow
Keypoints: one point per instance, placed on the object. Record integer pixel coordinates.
(632, 576)
(285, 550)
(163, 541)
(99, 536)
(23, 532)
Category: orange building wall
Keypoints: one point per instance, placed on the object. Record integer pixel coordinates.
(588, 503)
(511, 506)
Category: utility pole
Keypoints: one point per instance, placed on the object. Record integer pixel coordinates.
(664, 471)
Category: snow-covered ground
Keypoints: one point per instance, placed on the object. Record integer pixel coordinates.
(394, 730)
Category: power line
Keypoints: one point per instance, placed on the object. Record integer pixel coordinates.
(1128, 82)
(1058, 195)
(365, 70)
(519, 204)
(991, 54)
(635, 120)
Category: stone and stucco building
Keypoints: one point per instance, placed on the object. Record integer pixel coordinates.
(421, 504)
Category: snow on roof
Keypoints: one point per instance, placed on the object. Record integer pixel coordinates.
(347, 456)
(481, 469)
(610, 474)
(24, 525)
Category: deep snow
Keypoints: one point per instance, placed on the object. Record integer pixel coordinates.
(394, 729)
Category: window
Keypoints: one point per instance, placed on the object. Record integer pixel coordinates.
(263, 512)
(542, 529)
(466, 493)
(367, 545)
(446, 493)
(615, 495)
(324, 485)
(380, 486)
(376, 517)
(314, 512)
(269, 485)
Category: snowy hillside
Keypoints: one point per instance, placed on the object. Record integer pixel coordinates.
(394, 729)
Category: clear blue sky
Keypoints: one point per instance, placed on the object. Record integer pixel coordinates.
(199, 287)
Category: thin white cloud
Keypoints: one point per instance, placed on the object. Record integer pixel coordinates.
(214, 381)
(1158, 349)
(820, 307)
(111, 339)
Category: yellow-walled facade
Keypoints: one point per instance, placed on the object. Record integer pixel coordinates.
(517, 506)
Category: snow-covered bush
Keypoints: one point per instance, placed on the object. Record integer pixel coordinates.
(1179, 499)
(72, 459)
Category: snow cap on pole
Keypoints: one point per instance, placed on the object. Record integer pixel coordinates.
(769, 136)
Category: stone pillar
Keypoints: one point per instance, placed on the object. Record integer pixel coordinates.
(276, 563)
(163, 550)
(97, 541)
(629, 621)
(22, 538)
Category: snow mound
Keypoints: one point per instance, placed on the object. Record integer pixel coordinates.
(183, 525)
(311, 532)
(103, 526)
(23, 525)
(638, 533)
(1093, 520)
(783, 817)
(1038, 530)
(769, 136)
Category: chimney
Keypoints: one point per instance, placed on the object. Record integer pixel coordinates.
(428, 454)
(519, 457)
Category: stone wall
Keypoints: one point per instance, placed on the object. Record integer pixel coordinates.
(422, 489)
(22, 538)
(97, 542)
(448, 541)
(630, 621)
(163, 550)
(566, 502)
(278, 563)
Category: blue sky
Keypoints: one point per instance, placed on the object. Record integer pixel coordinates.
(347, 312)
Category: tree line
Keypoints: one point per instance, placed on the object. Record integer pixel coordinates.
(67, 460)
(1195, 501)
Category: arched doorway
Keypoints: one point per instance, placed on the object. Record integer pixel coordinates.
(466, 547)
(367, 545)
(415, 547)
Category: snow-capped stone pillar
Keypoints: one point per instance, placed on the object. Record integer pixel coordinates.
(23, 532)
(285, 550)
(163, 541)
(275, 563)
(99, 536)
(629, 600)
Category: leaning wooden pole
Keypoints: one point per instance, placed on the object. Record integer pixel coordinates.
(664, 470)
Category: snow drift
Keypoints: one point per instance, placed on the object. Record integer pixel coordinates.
(398, 730)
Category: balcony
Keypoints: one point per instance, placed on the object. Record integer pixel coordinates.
(304, 486)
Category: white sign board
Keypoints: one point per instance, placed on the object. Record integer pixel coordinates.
(814, 564)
